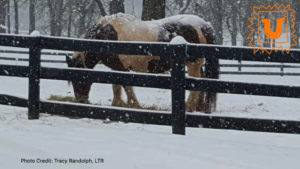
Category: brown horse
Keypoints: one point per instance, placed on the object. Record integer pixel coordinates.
(123, 27)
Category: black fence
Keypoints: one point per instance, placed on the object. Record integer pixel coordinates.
(281, 67)
(177, 82)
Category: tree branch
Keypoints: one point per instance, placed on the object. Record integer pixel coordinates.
(101, 7)
(182, 10)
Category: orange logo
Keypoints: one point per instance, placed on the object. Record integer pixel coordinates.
(264, 36)
(268, 32)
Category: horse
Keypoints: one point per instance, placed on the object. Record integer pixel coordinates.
(124, 27)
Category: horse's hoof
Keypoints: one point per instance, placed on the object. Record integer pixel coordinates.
(134, 105)
(119, 103)
(208, 109)
(83, 101)
(190, 108)
(201, 108)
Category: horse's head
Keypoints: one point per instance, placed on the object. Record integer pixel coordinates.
(89, 59)
(81, 89)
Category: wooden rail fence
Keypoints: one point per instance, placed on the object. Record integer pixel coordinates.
(176, 82)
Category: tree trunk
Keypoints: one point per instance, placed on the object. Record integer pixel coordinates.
(116, 6)
(56, 10)
(52, 19)
(2, 15)
(81, 24)
(70, 16)
(218, 13)
(180, 3)
(16, 8)
(153, 9)
(31, 15)
(101, 7)
(8, 16)
(246, 12)
(234, 25)
(59, 18)
(84, 10)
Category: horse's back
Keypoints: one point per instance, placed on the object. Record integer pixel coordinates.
(193, 28)
(130, 28)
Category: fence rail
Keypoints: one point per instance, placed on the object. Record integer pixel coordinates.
(43, 53)
(155, 81)
(281, 67)
(157, 117)
(177, 82)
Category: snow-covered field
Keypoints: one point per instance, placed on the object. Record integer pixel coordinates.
(138, 146)
(146, 146)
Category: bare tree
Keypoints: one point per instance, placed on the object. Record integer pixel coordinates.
(116, 6)
(217, 11)
(16, 10)
(153, 9)
(212, 11)
(8, 16)
(184, 7)
(83, 8)
(179, 7)
(244, 12)
(31, 15)
(101, 7)
(70, 17)
(56, 10)
(3, 4)
(231, 21)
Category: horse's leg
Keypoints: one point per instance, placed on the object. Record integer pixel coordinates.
(194, 70)
(202, 102)
(131, 98)
(117, 100)
(212, 70)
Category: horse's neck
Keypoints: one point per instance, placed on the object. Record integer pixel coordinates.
(92, 61)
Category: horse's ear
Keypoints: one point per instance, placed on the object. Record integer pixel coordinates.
(68, 60)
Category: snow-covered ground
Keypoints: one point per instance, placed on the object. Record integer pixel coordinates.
(146, 146)
(130, 146)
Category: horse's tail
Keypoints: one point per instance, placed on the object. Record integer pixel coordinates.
(212, 70)
(212, 67)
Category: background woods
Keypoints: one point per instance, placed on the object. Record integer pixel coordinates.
(72, 17)
(3, 7)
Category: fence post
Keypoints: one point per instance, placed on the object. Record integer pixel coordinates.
(34, 80)
(282, 69)
(240, 66)
(178, 90)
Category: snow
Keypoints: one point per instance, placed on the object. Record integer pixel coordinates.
(3, 27)
(121, 16)
(178, 40)
(127, 145)
(186, 19)
(130, 23)
(35, 33)
(183, 18)
(138, 146)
